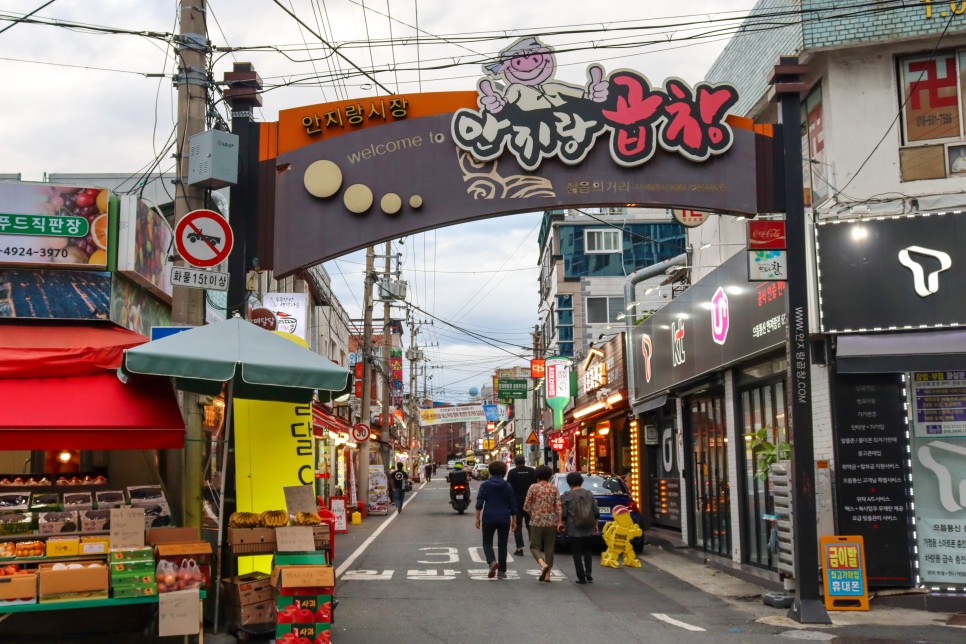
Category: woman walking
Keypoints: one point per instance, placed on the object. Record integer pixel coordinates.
(543, 506)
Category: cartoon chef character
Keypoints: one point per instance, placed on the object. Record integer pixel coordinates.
(617, 535)
(528, 67)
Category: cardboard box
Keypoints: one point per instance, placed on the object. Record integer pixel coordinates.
(95, 520)
(94, 545)
(133, 565)
(14, 501)
(132, 577)
(16, 522)
(249, 614)
(141, 495)
(109, 499)
(56, 522)
(88, 582)
(77, 501)
(303, 576)
(132, 554)
(300, 558)
(18, 589)
(63, 546)
(253, 588)
(311, 631)
(157, 536)
(45, 502)
(251, 540)
(135, 590)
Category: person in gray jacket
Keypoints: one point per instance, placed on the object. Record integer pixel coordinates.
(580, 535)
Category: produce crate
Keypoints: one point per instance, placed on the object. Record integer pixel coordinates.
(249, 541)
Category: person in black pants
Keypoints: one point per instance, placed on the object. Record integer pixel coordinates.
(495, 514)
(520, 479)
(580, 538)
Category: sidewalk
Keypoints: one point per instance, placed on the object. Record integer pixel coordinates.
(902, 607)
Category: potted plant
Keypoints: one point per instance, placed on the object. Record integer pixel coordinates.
(766, 452)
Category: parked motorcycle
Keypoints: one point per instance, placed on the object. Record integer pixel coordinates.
(459, 496)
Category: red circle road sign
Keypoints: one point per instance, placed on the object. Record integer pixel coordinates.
(203, 238)
(360, 433)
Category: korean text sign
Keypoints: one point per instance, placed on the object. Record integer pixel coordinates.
(843, 573)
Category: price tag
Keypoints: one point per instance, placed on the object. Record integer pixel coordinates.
(299, 538)
(127, 528)
(300, 498)
(179, 612)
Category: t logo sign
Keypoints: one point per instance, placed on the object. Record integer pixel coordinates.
(925, 285)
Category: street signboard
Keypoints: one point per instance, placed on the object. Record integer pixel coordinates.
(512, 388)
(198, 278)
(532, 438)
(158, 332)
(360, 432)
(843, 572)
(203, 238)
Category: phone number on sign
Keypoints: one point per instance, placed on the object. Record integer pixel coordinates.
(20, 251)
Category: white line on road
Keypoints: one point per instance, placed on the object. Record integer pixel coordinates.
(365, 544)
(676, 622)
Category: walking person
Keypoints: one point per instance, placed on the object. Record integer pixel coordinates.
(520, 479)
(429, 471)
(496, 514)
(399, 479)
(543, 506)
(580, 516)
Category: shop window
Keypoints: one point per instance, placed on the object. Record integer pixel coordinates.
(762, 406)
(710, 483)
(602, 241)
(604, 310)
(565, 323)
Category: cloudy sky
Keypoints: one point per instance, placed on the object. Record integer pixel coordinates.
(88, 89)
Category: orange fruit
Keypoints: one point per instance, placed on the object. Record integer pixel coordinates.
(99, 231)
(98, 257)
(102, 199)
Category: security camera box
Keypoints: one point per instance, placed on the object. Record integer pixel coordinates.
(57, 522)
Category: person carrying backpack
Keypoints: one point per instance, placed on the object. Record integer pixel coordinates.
(520, 479)
(580, 516)
(399, 479)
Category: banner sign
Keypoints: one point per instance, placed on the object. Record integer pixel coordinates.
(512, 388)
(290, 311)
(462, 414)
(536, 368)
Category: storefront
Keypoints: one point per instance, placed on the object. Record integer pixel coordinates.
(709, 370)
(891, 302)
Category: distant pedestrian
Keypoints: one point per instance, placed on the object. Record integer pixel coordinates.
(543, 505)
(429, 471)
(580, 516)
(434, 467)
(399, 479)
(520, 479)
(496, 514)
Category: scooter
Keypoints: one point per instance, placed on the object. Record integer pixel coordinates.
(459, 496)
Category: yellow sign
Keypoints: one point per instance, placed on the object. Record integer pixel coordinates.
(843, 573)
(532, 438)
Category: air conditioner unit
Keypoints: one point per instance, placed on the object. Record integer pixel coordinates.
(390, 290)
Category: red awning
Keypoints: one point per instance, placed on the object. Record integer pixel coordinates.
(89, 412)
(323, 421)
(44, 350)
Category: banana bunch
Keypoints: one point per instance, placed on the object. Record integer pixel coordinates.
(307, 518)
(275, 518)
(244, 520)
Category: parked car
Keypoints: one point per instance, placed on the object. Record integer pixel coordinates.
(451, 464)
(609, 492)
(481, 471)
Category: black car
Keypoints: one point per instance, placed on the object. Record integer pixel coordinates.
(609, 492)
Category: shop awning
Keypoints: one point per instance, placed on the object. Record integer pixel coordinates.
(650, 404)
(89, 412)
(898, 352)
(43, 350)
(323, 421)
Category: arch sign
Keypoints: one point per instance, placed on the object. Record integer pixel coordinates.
(355, 173)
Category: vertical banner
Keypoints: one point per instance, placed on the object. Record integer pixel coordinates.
(378, 490)
(274, 449)
(939, 475)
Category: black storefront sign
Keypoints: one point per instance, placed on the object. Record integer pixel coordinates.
(871, 483)
(720, 320)
(665, 479)
(892, 272)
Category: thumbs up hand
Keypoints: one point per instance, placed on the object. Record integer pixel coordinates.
(597, 87)
(489, 99)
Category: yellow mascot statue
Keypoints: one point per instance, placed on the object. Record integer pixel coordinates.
(617, 535)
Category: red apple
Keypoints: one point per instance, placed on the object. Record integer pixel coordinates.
(325, 637)
(286, 616)
(303, 640)
(324, 614)
(305, 616)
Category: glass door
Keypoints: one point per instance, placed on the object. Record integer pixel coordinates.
(711, 489)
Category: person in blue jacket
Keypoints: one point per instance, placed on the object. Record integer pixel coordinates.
(496, 514)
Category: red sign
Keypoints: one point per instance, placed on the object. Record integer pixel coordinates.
(536, 368)
(357, 390)
(766, 234)
(360, 433)
(359, 369)
(203, 238)
(559, 443)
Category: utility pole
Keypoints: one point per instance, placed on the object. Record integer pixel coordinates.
(188, 304)
(534, 421)
(387, 416)
(413, 358)
(362, 480)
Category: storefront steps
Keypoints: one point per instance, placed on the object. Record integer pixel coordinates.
(744, 583)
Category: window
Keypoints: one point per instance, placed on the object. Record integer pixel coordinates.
(602, 241)
(604, 310)
(930, 96)
(565, 324)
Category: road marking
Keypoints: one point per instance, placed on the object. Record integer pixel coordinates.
(676, 622)
(365, 544)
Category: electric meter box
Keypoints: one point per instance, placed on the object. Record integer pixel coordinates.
(213, 159)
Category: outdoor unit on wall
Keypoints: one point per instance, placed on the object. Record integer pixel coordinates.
(213, 159)
(391, 290)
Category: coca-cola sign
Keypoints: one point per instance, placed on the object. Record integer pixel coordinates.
(766, 234)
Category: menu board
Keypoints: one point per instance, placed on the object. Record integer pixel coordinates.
(872, 497)
(666, 502)
(940, 403)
